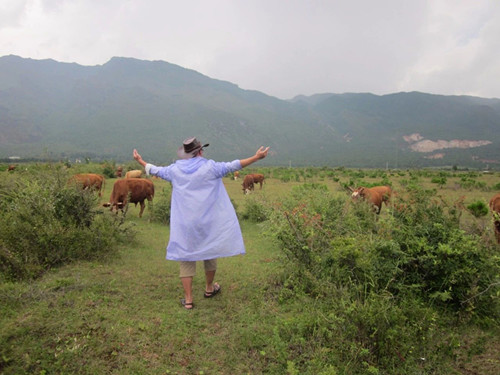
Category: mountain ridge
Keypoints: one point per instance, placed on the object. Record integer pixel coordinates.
(66, 111)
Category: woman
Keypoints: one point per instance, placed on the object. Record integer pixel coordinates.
(203, 222)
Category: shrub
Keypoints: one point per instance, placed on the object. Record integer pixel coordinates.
(441, 180)
(254, 211)
(478, 209)
(109, 170)
(373, 287)
(419, 250)
(467, 183)
(45, 224)
(161, 211)
(73, 207)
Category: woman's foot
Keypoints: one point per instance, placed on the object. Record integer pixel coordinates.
(216, 289)
(187, 305)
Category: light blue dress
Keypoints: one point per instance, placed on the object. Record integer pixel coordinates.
(203, 222)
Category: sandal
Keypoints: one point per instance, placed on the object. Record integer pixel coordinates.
(217, 289)
(187, 305)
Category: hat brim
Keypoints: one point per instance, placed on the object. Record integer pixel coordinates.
(183, 155)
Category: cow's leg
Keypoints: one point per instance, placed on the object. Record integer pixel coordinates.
(142, 208)
(150, 207)
(125, 205)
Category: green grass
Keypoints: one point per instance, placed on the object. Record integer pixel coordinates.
(123, 316)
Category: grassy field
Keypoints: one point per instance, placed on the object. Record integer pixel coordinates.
(123, 316)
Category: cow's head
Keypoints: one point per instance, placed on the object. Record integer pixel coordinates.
(359, 192)
(117, 206)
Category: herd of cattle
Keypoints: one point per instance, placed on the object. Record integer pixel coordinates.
(134, 189)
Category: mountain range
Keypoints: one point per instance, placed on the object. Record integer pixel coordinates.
(66, 111)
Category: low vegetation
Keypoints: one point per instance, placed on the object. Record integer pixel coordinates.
(46, 222)
(326, 286)
(388, 287)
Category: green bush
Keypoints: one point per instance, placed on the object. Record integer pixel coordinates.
(373, 287)
(468, 183)
(45, 223)
(254, 211)
(73, 207)
(478, 209)
(109, 169)
(420, 249)
(161, 211)
(441, 180)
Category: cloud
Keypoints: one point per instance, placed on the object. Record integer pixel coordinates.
(280, 47)
(460, 50)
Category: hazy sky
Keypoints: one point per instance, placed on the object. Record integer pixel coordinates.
(280, 47)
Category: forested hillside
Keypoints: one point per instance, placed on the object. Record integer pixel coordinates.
(53, 110)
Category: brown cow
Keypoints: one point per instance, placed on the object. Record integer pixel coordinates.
(247, 184)
(258, 178)
(11, 167)
(136, 173)
(88, 181)
(137, 190)
(236, 175)
(495, 209)
(376, 195)
(119, 171)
